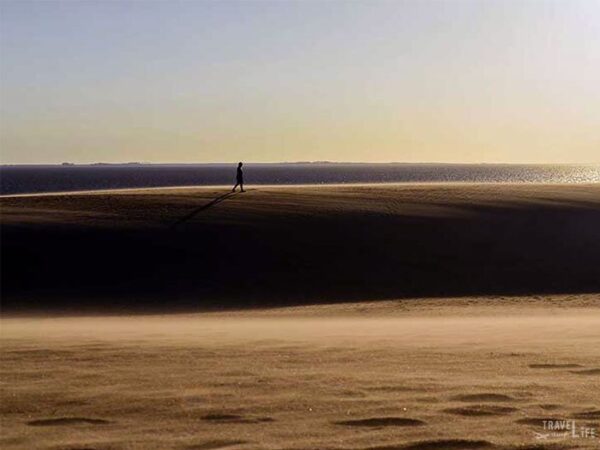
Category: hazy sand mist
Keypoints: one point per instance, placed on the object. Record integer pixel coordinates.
(409, 374)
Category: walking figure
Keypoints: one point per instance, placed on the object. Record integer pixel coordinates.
(239, 179)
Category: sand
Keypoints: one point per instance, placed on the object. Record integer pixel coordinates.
(200, 248)
(346, 317)
(420, 374)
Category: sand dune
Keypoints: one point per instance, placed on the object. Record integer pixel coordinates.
(413, 317)
(167, 249)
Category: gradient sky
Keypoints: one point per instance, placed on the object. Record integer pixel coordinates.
(199, 81)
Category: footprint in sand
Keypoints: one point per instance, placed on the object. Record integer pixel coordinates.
(80, 448)
(484, 397)
(549, 406)
(235, 418)
(543, 447)
(538, 421)
(447, 444)
(382, 422)
(588, 414)
(481, 410)
(72, 403)
(393, 389)
(62, 421)
(554, 366)
(214, 445)
(586, 372)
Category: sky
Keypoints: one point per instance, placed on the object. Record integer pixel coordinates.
(471, 81)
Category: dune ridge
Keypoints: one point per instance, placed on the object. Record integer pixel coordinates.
(203, 248)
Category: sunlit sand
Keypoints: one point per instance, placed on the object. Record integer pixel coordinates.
(421, 374)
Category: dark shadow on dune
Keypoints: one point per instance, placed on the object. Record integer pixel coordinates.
(197, 211)
(271, 258)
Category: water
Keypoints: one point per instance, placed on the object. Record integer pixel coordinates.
(34, 179)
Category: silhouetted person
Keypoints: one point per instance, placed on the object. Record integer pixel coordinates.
(239, 179)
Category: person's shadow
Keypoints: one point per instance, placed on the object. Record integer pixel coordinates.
(196, 211)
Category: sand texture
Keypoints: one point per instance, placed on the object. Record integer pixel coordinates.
(412, 374)
(414, 317)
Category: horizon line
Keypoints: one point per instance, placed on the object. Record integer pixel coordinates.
(141, 163)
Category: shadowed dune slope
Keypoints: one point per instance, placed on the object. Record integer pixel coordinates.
(199, 248)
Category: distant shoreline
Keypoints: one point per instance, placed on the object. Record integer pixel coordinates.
(175, 164)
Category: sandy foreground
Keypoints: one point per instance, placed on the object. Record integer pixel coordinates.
(410, 374)
(343, 317)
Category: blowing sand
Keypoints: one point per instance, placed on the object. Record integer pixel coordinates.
(425, 374)
(351, 317)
